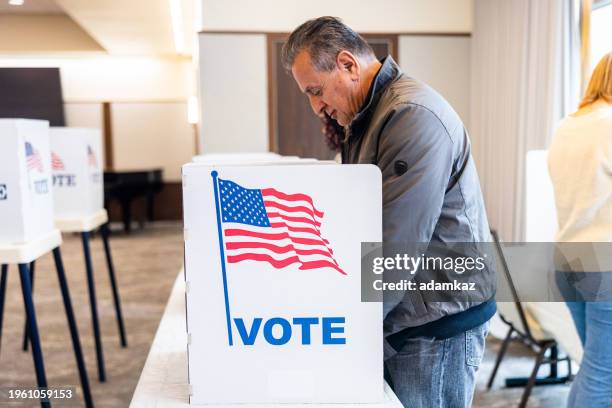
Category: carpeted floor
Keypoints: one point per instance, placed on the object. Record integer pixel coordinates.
(147, 263)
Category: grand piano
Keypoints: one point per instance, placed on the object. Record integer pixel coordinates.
(125, 186)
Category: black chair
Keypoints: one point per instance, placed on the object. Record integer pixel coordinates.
(514, 315)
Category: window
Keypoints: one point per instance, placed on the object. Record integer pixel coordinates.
(601, 30)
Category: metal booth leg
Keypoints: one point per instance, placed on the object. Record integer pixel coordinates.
(111, 271)
(94, 307)
(26, 288)
(74, 333)
(2, 295)
(24, 345)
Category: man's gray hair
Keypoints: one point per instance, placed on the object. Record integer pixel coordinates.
(324, 38)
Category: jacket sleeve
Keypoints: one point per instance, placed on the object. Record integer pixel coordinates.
(415, 155)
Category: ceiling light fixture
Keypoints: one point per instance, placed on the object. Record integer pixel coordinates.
(16, 2)
(176, 14)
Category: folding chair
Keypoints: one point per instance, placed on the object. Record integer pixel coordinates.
(523, 327)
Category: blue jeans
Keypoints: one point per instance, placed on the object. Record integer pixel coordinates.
(592, 386)
(430, 373)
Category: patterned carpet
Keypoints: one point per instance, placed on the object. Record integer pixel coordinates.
(147, 262)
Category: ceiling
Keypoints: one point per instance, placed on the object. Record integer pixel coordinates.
(121, 27)
(31, 7)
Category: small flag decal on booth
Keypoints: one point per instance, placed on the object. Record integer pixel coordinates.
(271, 226)
(91, 157)
(33, 158)
(56, 162)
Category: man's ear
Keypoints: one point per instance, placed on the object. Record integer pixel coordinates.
(347, 62)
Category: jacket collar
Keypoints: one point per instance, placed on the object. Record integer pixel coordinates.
(388, 72)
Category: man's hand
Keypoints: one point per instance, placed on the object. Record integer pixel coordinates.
(333, 132)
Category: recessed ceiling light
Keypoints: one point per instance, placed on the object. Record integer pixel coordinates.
(16, 2)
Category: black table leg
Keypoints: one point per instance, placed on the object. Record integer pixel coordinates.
(24, 345)
(150, 206)
(2, 294)
(126, 214)
(111, 271)
(94, 307)
(39, 365)
(74, 333)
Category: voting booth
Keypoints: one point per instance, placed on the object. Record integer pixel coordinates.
(273, 283)
(243, 159)
(76, 159)
(540, 211)
(235, 156)
(26, 201)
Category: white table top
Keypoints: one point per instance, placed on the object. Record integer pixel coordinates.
(26, 252)
(164, 383)
(83, 223)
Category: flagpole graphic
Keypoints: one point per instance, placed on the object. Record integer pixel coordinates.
(214, 175)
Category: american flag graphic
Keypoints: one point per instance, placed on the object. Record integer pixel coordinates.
(33, 158)
(56, 162)
(270, 226)
(91, 157)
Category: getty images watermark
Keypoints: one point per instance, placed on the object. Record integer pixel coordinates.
(477, 271)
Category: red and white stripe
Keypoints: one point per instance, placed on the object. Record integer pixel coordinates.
(294, 235)
(91, 158)
(56, 162)
(34, 162)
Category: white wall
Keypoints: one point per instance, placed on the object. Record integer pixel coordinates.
(99, 77)
(152, 91)
(233, 83)
(443, 62)
(234, 94)
(233, 65)
(149, 135)
(83, 114)
(381, 16)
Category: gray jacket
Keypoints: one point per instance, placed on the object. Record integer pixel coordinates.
(431, 191)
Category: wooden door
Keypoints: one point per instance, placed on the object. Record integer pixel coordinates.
(294, 128)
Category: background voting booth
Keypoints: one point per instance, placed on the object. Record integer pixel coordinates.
(272, 257)
(76, 159)
(78, 192)
(253, 158)
(541, 226)
(220, 157)
(27, 202)
(28, 232)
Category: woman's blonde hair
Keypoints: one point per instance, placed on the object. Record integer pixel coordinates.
(600, 84)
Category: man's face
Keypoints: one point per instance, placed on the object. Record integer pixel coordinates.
(334, 92)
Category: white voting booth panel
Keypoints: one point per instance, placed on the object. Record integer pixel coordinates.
(26, 202)
(268, 321)
(541, 226)
(215, 157)
(244, 159)
(541, 213)
(76, 158)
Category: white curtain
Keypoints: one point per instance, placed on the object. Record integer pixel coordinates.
(520, 70)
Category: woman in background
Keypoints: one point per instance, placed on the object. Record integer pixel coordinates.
(580, 164)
